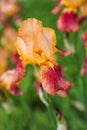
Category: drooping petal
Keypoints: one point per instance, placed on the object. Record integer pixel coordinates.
(15, 90)
(63, 83)
(62, 52)
(18, 75)
(53, 82)
(20, 72)
(57, 8)
(49, 80)
(15, 57)
(9, 80)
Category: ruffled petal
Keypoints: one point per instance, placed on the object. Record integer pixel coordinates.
(35, 43)
(53, 81)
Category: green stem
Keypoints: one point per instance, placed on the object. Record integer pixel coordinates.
(51, 112)
(52, 116)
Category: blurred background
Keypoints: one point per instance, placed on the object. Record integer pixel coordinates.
(27, 111)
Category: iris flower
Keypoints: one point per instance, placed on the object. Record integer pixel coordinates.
(36, 45)
(70, 20)
(9, 8)
(8, 38)
(6, 80)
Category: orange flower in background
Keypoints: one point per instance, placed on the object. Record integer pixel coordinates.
(6, 80)
(8, 39)
(70, 20)
(3, 60)
(7, 8)
(10, 8)
(9, 79)
(84, 10)
(37, 45)
(73, 4)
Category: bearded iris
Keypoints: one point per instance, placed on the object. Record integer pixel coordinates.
(70, 20)
(36, 45)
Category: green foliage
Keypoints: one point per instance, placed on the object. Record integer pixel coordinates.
(27, 111)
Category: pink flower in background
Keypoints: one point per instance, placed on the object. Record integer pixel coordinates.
(8, 38)
(9, 80)
(68, 22)
(6, 80)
